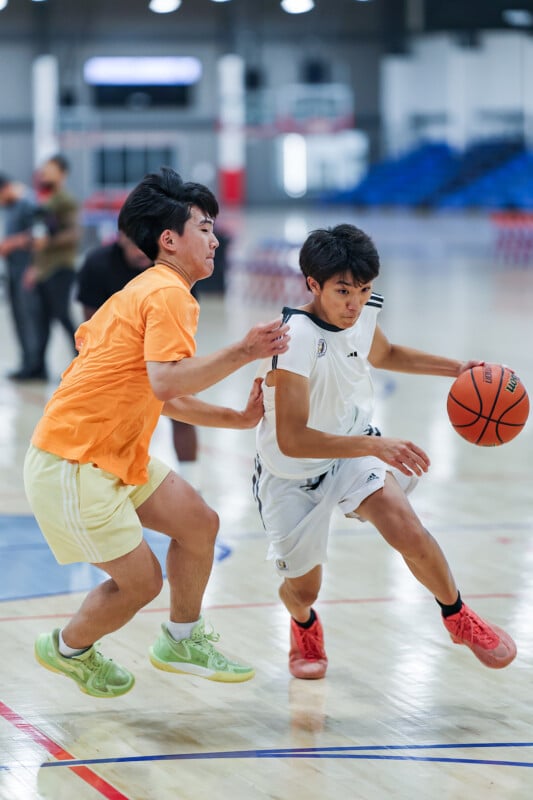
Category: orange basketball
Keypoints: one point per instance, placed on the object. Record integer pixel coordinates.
(488, 405)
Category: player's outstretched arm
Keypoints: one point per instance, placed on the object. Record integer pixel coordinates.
(196, 412)
(398, 358)
(172, 379)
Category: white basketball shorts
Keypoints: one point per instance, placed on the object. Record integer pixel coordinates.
(296, 513)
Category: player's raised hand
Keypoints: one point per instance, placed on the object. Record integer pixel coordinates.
(268, 339)
(405, 456)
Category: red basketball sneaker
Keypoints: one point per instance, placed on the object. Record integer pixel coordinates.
(490, 644)
(307, 657)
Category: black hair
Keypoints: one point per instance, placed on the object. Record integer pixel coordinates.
(344, 248)
(162, 200)
(5, 180)
(60, 161)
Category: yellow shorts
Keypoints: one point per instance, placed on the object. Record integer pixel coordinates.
(85, 513)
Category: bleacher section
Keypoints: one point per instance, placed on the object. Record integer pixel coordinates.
(495, 175)
(406, 181)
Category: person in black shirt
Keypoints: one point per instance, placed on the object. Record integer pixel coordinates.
(106, 270)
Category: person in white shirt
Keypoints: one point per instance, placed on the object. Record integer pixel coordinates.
(317, 448)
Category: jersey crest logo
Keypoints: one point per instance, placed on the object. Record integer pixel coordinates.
(321, 348)
(281, 564)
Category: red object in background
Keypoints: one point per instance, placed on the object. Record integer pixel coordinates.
(231, 186)
(106, 201)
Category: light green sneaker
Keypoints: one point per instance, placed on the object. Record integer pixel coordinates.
(94, 674)
(197, 656)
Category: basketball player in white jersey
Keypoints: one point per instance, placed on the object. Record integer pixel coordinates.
(317, 448)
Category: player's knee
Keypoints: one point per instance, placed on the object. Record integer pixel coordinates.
(412, 541)
(154, 586)
(307, 596)
(396, 521)
(205, 532)
(146, 586)
(212, 523)
(303, 594)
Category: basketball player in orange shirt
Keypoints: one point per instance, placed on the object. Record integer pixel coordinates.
(89, 478)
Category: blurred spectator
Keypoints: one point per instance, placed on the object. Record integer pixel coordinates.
(106, 270)
(56, 236)
(216, 283)
(16, 249)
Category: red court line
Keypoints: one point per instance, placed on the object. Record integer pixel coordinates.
(269, 604)
(95, 781)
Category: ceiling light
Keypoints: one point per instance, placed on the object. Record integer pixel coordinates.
(3, 4)
(297, 6)
(164, 6)
(142, 70)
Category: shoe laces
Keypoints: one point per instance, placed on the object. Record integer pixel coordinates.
(310, 642)
(200, 634)
(473, 629)
(97, 663)
(204, 639)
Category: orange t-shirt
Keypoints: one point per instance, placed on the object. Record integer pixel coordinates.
(104, 411)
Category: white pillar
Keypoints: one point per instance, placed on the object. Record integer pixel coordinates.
(396, 103)
(231, 134)
(461, 99)
(45, 101)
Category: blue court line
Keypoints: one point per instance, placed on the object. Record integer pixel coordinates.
(360, 752)
(28, 570)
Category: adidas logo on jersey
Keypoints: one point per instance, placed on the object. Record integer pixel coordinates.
(372, 477)
(352, 355)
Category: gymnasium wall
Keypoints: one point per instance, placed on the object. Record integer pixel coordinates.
(440, 87)
(16, 127)
(457, 92)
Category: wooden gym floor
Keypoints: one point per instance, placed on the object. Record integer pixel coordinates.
(403, 712)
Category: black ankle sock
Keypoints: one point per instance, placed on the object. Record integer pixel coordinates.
(447, 611)
(309, 621)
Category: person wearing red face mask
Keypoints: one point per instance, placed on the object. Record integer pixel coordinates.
(56, 236)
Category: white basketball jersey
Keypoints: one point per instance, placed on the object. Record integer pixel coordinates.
(341, 395)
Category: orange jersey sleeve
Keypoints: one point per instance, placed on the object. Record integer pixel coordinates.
(104, 410)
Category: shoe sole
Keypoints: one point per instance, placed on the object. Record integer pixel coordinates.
(82, 688)
(316, 675)
(484, 655)
(200, 672)
(308, 677)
